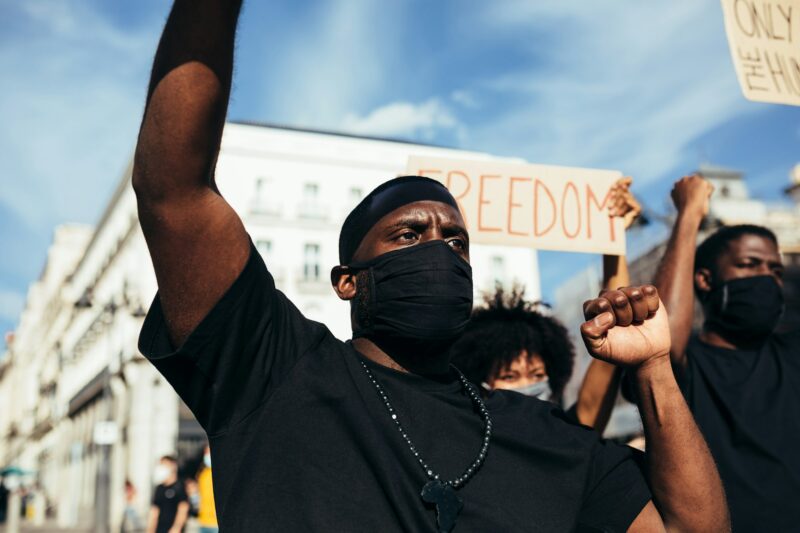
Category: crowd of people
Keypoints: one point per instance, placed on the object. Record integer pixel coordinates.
(435, 416)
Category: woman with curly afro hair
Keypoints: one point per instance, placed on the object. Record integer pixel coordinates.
(515, 344)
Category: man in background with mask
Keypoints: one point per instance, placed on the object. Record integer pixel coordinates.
(309, 433)
(170, 506)
(740, 378)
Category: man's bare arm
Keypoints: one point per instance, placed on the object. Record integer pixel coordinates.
(686, 486)
(687, 490)
(197, 242)
(675, 275)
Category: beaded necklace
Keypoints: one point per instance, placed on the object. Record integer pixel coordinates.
(436, 491)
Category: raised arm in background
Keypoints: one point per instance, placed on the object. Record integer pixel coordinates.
(600, 385)
(675, 275)
(197, 242)
(687, 490)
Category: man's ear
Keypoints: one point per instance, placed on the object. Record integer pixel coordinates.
(703, 280)
(344, 282)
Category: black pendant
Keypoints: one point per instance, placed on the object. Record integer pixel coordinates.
(448, 503)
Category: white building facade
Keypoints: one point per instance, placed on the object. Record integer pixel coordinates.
(73, 361)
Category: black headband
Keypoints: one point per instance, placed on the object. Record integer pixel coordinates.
(382, 201)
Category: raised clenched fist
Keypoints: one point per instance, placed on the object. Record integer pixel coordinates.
(626, 327)
(690, 194)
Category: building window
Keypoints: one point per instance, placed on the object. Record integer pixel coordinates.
(498, 269)
(260, 202)
(310, 205)
(310, 192)
(264, 247)
(311, 267)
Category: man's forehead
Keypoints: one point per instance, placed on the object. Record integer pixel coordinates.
(423, 211)
(750, 244)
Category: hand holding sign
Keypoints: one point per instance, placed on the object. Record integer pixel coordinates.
(623, 203)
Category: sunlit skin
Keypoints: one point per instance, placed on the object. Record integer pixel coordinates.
(523, 371)
(406, 226)
(748, 256)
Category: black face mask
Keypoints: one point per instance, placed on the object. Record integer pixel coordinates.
(422, 293)
(745, 307)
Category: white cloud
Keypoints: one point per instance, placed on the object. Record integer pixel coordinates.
(465, 98)
(403, 119)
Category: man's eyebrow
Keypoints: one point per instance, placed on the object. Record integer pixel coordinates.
(408, 222)
(450, 228)
(453, 226)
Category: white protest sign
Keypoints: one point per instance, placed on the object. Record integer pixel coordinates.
(536, 206)
(764, 38)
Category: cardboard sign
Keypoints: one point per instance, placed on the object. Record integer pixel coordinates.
(764, 37)
(536, 206)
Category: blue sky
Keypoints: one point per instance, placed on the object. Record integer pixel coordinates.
(645, 88)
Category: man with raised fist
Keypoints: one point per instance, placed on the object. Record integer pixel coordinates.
(380, 433)
(741, 376)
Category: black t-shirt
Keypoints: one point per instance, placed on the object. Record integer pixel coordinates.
(167, 498)
(747, 404)
(301, 441)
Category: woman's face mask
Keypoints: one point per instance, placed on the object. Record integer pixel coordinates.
(540, 390)
(419, 293)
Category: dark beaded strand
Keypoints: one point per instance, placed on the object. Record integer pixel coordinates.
(473, 394)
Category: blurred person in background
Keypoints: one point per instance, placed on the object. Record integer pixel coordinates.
(516, 345)
(170, 505)
(740, 377)
(206, 510)
(190, 485)
(131, 521)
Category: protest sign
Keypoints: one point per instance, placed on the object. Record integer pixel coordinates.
(537, 206)
(764, 38)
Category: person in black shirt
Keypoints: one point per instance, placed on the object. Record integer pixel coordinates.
(309, 433)
(170, 505)
(741, 378)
